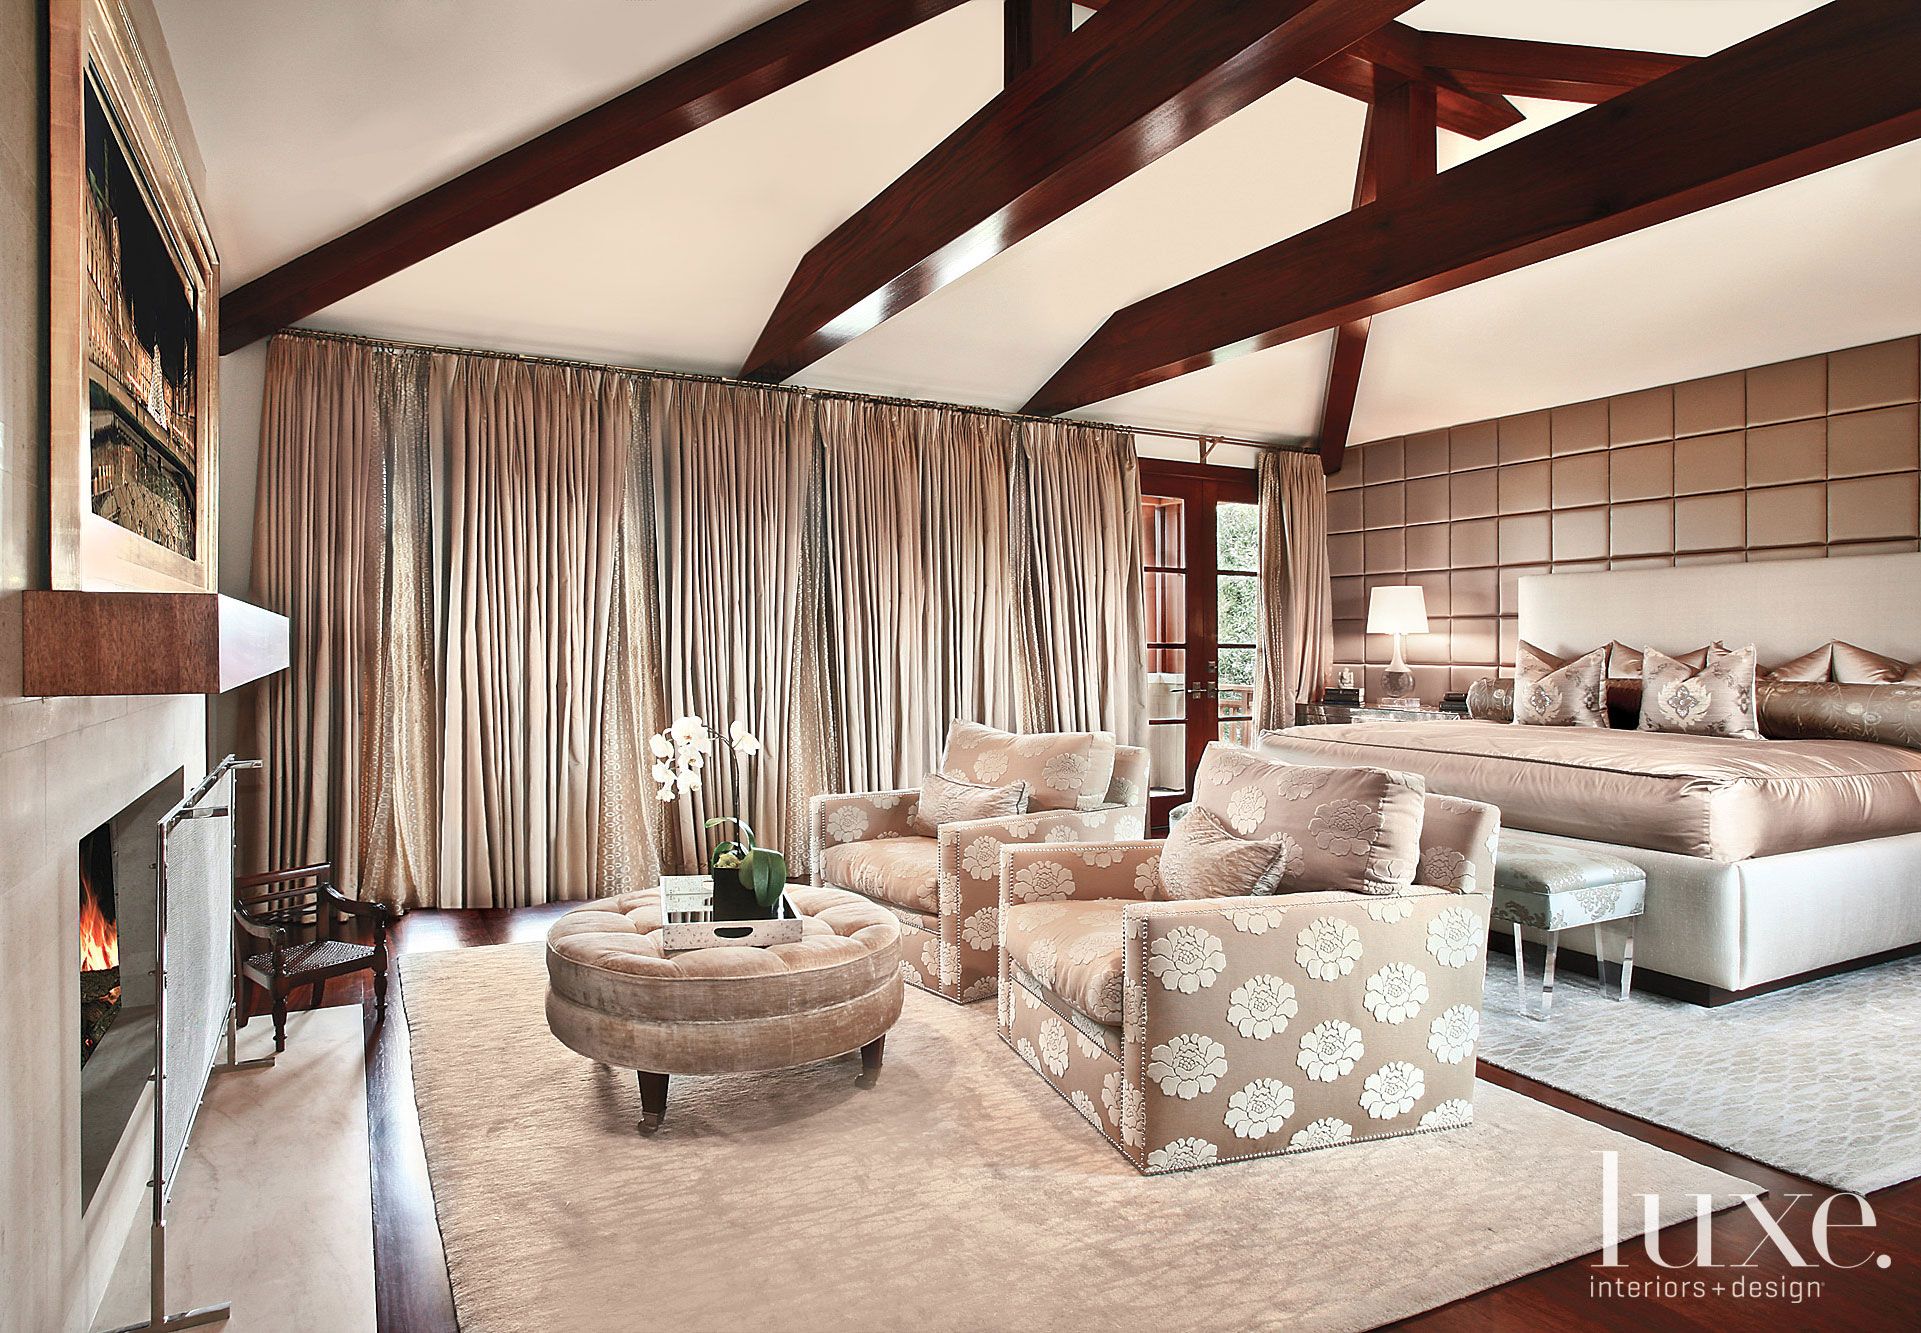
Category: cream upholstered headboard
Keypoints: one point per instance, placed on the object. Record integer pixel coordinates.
(1783, 607)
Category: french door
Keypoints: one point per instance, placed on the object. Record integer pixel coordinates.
(1200, 569)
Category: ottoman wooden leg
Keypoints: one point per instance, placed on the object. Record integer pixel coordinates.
(653, 1099)
(870, 1055)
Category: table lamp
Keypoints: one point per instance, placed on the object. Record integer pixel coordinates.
(1400, 610)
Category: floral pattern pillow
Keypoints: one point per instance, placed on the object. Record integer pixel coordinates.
(1357, 829)
(1203, 858)
(945, 800)
(1550, 691)
(1064, 770)
(1716, 700)
(1623, 686)
(1816, 710)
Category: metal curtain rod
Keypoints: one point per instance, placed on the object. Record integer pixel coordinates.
(573, 363)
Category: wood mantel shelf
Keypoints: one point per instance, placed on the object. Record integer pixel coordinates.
(146, 642)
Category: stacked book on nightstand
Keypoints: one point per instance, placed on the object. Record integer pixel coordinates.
(1335, 697)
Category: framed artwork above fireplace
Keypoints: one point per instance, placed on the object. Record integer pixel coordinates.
(134, 306)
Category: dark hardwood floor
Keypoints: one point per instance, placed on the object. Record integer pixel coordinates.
(413, 1296)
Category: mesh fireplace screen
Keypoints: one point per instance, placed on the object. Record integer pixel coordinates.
(196, 958)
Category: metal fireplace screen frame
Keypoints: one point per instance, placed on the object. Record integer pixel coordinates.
(193, 998)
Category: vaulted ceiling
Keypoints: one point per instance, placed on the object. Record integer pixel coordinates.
(313, 119)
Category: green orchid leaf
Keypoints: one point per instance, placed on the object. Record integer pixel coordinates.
(746, 829)
(765, 872)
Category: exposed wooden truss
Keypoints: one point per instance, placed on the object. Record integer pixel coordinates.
(1136, 81)
(1835, 84)
(1032, 29)
(1397, 150)
(811, 36)
(1543, 69)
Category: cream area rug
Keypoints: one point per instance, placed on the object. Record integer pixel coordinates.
(1817, 1079)
(957, 1192)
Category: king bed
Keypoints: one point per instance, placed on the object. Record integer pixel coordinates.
(1766, 859)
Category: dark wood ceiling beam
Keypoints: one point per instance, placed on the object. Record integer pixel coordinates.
(1392, 53)
(1139, 79)
(811, 36)
(1032, 29)
(1827, 87)
(1397, 150)
(1543, 69)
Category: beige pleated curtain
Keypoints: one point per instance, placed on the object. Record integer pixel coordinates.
(504, 575)
(919, 585)
(1296, 606)
(1076, 499)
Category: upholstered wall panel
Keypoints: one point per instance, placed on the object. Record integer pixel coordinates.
(1811, 457)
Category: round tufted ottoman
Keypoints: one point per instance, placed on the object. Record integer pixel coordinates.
(614, 995)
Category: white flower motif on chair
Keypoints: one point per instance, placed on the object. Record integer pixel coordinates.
(989, 765)
(909, 975)
(1188, 1065)
(1111, 1097)
(950, 964)
(1328, 948)
(1445, 868)
(1147, 877)
(1322, 1133)
(1065, 772)
(1038, 916)
(1054, 1046)
(1396, 992)
(1452, 1036)
(1042, 881)
(1329, 1050)
(1392, 1090)
(1301, 781)
(1061, 833)
(885, 801)
(982, 859)
(981, 930)
(1388, 910)
(1181, 1154)
(1020, 830)
(1090, 948)
(1453, 937)
(1025, 1049)
(1089, 1048)
(1345, 828)
(1228, 766)
(1255, 920)
(1245, 809)
(1261, 1007)
(1259, 1109)
(1186, 959)
(847, 823)
(1450, 1114)
(1126, 1108)
(979, 989)
(1085, 1105)
(1041, 956)
(1129, 827)
(1101, 854)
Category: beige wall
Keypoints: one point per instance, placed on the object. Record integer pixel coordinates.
(1808, 457)
(62, 761)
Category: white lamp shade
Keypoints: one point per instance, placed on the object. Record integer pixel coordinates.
(1397, 610)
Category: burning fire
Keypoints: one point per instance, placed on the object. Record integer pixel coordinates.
(99, 937)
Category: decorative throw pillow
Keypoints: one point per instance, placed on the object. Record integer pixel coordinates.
(1858, 666)
(1823, 710)
(945, 800)
(1358, 829)
(1490, 699)
(1203, 858)
(1624, 681)
(1064, 770)
(1817, 665)
(1550, 691)
(1717, 700)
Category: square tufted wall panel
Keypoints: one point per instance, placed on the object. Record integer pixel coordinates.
(1802, 458)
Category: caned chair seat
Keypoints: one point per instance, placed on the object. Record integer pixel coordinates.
(901, 871)
(314, 956)
(1074, 950)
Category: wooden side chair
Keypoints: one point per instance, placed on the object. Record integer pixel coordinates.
(296, 914)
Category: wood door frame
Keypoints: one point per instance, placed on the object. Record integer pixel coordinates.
(1202, 487)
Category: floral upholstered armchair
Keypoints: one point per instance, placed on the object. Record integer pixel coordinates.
(942, 880)
(1214, 1029)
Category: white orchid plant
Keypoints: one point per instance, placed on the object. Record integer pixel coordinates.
(680, 753)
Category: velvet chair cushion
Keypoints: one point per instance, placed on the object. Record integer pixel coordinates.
(891, 870)
(1074, 950)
